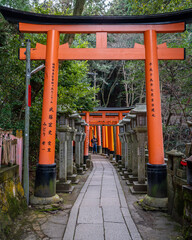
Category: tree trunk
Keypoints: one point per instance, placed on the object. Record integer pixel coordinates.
(78, 9)
(126, 95)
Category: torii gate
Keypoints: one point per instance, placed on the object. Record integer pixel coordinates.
(52, 53)
(104, 117)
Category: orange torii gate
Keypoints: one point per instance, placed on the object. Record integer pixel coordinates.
(105, 117)
(53, 52)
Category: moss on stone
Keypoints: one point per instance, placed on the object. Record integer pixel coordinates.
(12, 200)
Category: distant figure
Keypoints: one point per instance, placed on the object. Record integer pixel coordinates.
(94, 142)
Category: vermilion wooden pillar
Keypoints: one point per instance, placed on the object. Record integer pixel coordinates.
(90, 137)
(86, 144)
(120, 118)
(45, 184)
(103, 140)
(99, 147)
(118, 147)
(112, 140)
(95, 131)
(106, 140)
(109, 139)
(157, 185)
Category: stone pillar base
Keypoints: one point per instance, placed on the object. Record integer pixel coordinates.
(118, 158)
(64, 187)
(104, 150)
(45, 181)
(85, 158)
(157, 180)
(84, 166)
(131, 179)
(120, 162)
(151, 203)
(80, 171)
(120, 167)
(125, 175)
(45, 201)
(99, 149)
(88, 163)
(73, 178)
(138, 188)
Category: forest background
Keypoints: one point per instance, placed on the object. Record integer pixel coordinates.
(118, 83)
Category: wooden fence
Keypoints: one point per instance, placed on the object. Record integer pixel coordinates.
(11, 149)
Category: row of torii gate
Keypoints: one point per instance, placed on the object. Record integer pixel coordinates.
(53, 52)
(101, 125)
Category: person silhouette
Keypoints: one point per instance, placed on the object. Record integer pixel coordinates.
(94, 142)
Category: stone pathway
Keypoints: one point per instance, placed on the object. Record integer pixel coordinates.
(100, 211)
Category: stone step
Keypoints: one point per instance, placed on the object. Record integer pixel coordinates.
(136, 192)
(129, 183)
(64, 187)
(132, 178)
(84, 166)
(73, 178)
(80, 171)
(124, 177)
(120, 162)
(88, 163)
(114, 163)
(124, 169)
(120, 167)
(139, 188)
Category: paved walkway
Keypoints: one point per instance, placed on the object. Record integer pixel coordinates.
(100, 211)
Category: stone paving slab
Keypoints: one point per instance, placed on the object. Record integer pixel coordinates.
(116, 231)
(93, 202)
(106, 202)
(101, 211)
(112, 214)
(89, 232)
(50, 229)
(90, 215)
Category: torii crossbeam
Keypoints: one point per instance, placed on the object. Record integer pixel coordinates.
(53, 26)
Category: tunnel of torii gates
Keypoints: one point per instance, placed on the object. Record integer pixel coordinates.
(53, 52)
(101, 123)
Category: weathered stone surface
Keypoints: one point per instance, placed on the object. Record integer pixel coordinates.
(45, 201)
(11, 191)
(89, 232)
(116, 231)
(53, 230)
(61, 218)
(112, 214)
(90, 215)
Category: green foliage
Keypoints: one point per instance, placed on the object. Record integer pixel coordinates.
(74, 89)
(17, 4)
(147, 7)
(96, 7)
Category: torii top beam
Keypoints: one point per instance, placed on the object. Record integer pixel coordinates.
(101, 25)
(107, 116)
(16, 16)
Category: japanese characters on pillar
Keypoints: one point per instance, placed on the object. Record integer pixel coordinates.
(118, 153)
(49, 112)
(154, 122)
(86, 145)
(103, 140)
(120, 118)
